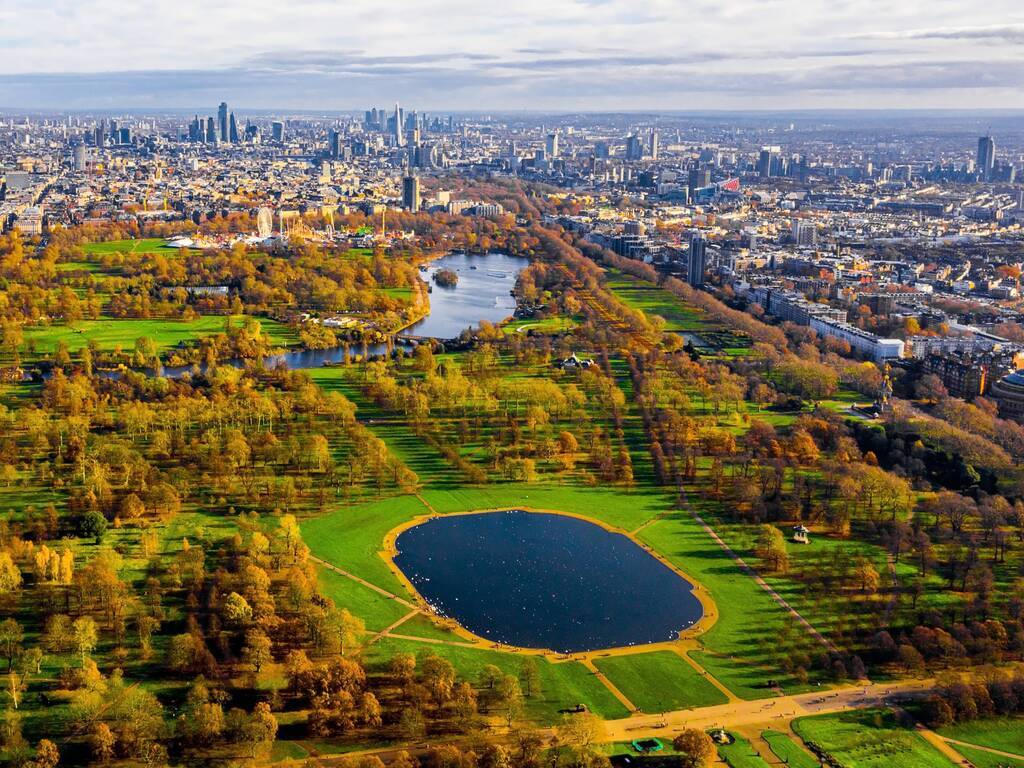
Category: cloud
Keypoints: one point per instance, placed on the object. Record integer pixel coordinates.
(1006, 32)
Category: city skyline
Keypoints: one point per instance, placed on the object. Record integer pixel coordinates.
(449, 54)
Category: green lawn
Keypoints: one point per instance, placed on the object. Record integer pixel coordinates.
(740, 754)
(788, 751)
(982, 759)
(1003, 733)
(869, 738)
(109, 333)
(659, 682)
(142, 245)
(650, 299)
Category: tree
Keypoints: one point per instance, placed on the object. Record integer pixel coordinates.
(511, 697)
(47, 755)
(85, 635)
(10, 575)
(92, 525)
(258, 650)
(370, 711)
(237, 609)
(411, 724)
(529, 677)
(867, 576)
(261, 730)
(581, 731)
(771, 548)
(11, 635)
(930, 388)
(695, 747)
(102, 742)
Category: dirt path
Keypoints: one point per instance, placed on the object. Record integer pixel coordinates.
(365, 583)
(387, 630)
(610, 686)
(990, 750)
(682, 652)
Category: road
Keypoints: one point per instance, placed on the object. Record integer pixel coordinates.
(764, 712)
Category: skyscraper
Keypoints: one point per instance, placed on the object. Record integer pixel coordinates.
(695, 271)
(222, 117)
(551, 146)
(232, 129)
(211, 131)
(277, 130)
(634, 148)
(654, 144)
(411, 193)
(986, 157)
(399, 141)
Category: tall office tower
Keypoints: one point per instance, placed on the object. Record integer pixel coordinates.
(222, 118)
(698, 256)
(764, 163)
(369, 118)
(195, 130)
(602, 150)
(399, 141)
(80, 157)
(551, 146)
(232, 129)
(986, 157)
(334, 143)
(211, 131)
(113, 130)
(100, 133)
(654, 144)
(277, 131)
(634, 148)
(411, 193)
(698, 178)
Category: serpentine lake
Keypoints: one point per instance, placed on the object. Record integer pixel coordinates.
(537, 580)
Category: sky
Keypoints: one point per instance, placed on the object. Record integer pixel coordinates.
(493, 55)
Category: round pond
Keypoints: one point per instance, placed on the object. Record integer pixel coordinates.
(552, 581)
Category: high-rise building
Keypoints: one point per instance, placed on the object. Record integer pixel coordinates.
(698, 256)
(277, 131)
(698, 178)
(768, 162)
(634, 148)
(80, 157)
(551, 146)
(232, 129)
(399, 122)
(804, 233)
(334, 143)
(411, 193)
(654, 144)
(211, 131)
(986, 157)
(222, 118)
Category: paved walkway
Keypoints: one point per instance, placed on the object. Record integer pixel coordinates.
(364, 582)
(589, 664)
(990, 750)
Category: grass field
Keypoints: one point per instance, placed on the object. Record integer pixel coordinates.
(788, 751)
(143, 245)
(982, 759)
(652, 300)
(109, 333)
(740, 754)
(659, 682)
(869, 738)
(1002, 733)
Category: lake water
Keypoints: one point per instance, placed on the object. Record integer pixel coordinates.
(484, 292)
(545, 581)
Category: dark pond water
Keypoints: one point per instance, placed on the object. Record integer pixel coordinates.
(545, 581)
